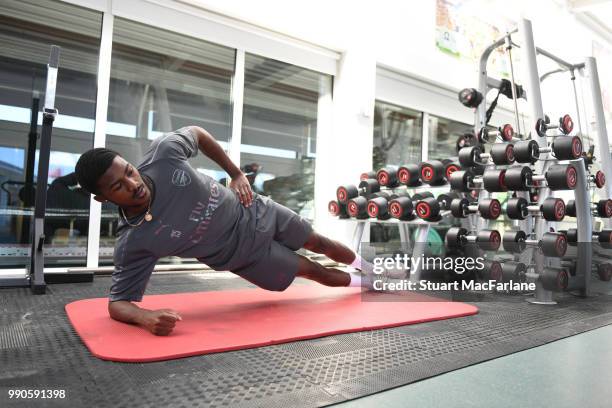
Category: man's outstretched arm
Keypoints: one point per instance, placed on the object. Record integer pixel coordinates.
(159, 322)
(209, 146)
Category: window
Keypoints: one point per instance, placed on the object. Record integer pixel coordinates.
(279, 130)
(397, 135)
(162, 81)
(27, 30)
(443, 135)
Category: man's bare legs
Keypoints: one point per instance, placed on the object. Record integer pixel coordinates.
(334, 250)
(308, 269)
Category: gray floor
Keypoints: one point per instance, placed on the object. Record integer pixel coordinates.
(573, 372)
(40, 350)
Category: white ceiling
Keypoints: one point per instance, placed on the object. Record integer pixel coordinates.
(598, 11)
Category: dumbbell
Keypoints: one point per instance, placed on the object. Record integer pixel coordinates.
(554, 279)
(558, 177)
(378, 205)
(428, 208)
(491, 180)
(563, 148)
(463, 180)
(486, 135)
(387, 176)
(492, 271)
(432, 172)
(604, 271)
(565, 125)
(408, 175)
(366, 175)
(357, 207)
(488, 240)
(470, 97)
(402, 207)
(489, 208)
(513, 271)
(337, 209)
(552, 244)
(466, 139)
(552, 209)
(599, 179)
(449, 168)
(604, 237)
(602, 209)
(366, 187)
(501, 154)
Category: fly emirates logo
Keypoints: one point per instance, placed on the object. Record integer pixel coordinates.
(202, 213)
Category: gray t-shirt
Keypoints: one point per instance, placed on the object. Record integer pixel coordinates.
(193, 217)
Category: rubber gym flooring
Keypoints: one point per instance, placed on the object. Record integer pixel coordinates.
(39, 350)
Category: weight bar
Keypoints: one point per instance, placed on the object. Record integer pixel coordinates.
(552, 244)
(552, 209)
(565, 125)
(488, 240)
(601, 209)
(489, 208)
(563, 148)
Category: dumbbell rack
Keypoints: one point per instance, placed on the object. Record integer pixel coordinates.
(583, 215)
(418, 246)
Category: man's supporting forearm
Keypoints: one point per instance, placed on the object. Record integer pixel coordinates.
(126, 312)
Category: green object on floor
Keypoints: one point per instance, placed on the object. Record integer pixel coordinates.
(572, 372)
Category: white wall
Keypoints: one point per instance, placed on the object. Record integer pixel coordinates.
(399, 34)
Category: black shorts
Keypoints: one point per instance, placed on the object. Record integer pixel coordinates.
(286, 232)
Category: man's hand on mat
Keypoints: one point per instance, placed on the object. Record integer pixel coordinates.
(161, 322)
(241, 186)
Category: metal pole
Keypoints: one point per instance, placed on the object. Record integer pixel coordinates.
(514, 97)
(573, 78)
(357, 235)
(530, 68)
(584, 224)
(420, 243)
(37, 262)
(600, 124)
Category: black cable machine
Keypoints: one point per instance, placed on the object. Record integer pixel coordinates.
(35, 277)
